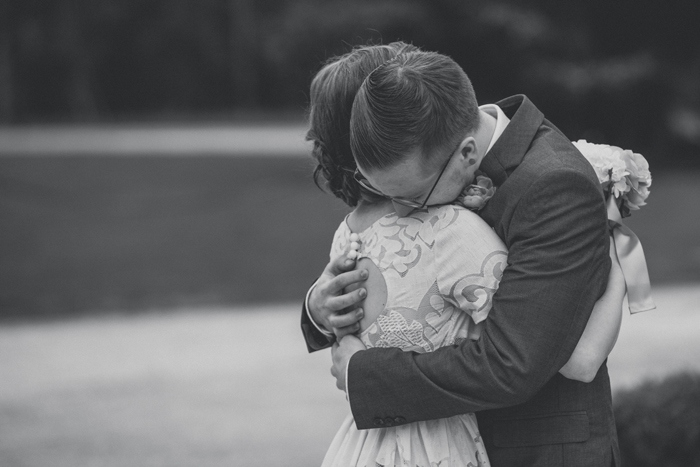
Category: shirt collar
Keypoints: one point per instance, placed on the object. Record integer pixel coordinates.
(512, 145)
(501, 122)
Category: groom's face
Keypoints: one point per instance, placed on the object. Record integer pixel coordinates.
(411, 179)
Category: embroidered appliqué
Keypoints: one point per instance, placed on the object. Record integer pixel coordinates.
(472, 293)
(397, 331)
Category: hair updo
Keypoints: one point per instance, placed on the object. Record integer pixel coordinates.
(332, 94)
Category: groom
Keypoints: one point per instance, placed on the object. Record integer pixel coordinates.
(549, 211)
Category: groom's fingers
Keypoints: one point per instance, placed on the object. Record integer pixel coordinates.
(340, 264)
(344, 280)
(348, 323)
(346, 331)
(347, 300)
(337, 370)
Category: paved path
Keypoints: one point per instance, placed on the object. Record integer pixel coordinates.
(151, 139)
(224, 387)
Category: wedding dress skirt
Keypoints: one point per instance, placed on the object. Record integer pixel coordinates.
(447, 442)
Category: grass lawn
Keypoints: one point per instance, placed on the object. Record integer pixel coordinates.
(90, 234)
(224, 387)
(183, 388)
(209, 376)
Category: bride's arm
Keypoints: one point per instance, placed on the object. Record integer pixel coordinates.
(601, 332)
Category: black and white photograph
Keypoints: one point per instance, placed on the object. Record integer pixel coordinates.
(359, 233)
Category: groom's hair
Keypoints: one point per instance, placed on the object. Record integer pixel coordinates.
(417, 100)
(332, 93)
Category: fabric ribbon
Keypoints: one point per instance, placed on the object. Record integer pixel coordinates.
(632, 261)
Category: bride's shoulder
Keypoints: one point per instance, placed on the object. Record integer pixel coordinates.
(341, 238)
(454, 223)
(453, 216)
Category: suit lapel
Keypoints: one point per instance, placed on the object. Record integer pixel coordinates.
(508, 151)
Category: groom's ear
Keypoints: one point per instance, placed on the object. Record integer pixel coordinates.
(467, 148)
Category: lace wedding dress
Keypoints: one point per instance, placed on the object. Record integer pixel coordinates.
(441, 266)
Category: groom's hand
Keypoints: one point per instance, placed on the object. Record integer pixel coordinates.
(329, 304)
(342, 351)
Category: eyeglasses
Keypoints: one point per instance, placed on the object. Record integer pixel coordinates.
(364, 183)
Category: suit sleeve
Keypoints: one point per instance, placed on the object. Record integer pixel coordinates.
(558, 264)
(315, 339)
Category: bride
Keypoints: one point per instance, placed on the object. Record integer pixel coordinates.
(430, 279)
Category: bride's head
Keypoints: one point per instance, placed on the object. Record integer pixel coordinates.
(332, 94)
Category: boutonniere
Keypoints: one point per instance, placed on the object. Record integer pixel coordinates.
(475, 196)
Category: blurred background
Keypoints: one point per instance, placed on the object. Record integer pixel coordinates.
(159, 225)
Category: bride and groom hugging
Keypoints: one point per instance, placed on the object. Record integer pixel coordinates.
(431, 380)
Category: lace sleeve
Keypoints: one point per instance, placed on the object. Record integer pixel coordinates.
(470, 259)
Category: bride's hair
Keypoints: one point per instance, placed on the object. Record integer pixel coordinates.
(332, 94)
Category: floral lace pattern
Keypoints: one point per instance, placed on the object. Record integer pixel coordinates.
(473, 293)
(441, 267)
(440, 320)
(395, 330)
(397, 243)
(435, 318)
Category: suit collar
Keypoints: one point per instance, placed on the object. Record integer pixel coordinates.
(509, 150)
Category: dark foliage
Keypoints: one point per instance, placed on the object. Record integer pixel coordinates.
(658, 423)
(622, 72)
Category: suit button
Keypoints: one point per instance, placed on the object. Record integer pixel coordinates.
(399, 420)
(388, 421)
(378, 422)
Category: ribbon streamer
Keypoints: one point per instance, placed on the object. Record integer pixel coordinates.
(632, 261)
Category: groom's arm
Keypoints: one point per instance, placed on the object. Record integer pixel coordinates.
(558, 266)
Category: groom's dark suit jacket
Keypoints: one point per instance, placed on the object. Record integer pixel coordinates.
(549, 211)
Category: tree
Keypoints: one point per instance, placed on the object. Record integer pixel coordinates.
(6, 66)
(244, 52)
